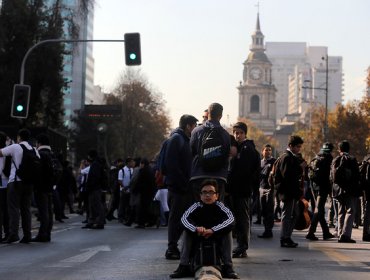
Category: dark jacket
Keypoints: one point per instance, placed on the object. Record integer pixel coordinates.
(352, 188)
(266, 167)
(47, 180)
(197, 171)
(178, 162)
(324, 185)
(144, 183)
(214, 216)
(245, 170)
(95, 178)
(291, 172)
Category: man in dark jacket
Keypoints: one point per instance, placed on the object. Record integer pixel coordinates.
(345, 191)
(43, 193)
(321, 186)
(177, 160)
(289, 170)
(198, 172)
(94, 187)
(243, 178)
(267, 192)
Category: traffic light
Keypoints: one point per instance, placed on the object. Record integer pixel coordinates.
(132, 49)
(21, 101)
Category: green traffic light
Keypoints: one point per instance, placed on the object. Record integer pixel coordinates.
(20, 108)
(132, 56)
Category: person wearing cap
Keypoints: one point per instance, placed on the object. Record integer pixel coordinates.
(321, 190)
(243, 180)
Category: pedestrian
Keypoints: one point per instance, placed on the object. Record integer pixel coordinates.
(144, 187)
(243, 179)
(177, 160)
(345, 176)
(288, 176)
(19, 193)
(114, 188)
(124, 179)
(43, 191)
(5, 166)
(267, 192)
(208, 219)
(94, 185)
(210, 147)
(319, 174)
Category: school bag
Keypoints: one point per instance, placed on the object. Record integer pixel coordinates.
(316, 171)
(57, 169)
(275, 176)
(365, 175)
(206, 253)
(212, 153)
(30, 168)
(161, 166)
(341, 172)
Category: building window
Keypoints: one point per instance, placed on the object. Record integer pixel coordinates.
(255, 104)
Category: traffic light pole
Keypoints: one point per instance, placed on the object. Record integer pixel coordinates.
(21, 80)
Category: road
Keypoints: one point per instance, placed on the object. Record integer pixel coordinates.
(119, 252)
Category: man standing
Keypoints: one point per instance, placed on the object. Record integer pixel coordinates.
(19, 193)
(177, 160)
(243, 178)
(114, 186)
(319, 175)
(267, 192)
(345, 175)
(200, 169)
(288, 176)
(43, 192)
(124, 179)
(95, 185)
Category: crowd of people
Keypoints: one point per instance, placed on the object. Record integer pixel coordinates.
(205, 184)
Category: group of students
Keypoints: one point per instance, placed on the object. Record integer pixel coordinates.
(33, 176)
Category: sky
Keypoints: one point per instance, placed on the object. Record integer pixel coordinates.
(193, 51)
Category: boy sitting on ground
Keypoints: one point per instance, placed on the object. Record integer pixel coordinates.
(207, 218)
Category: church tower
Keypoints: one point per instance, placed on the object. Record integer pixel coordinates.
(256, 92)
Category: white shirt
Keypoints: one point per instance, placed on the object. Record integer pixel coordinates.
(125, 176)
(16, 152)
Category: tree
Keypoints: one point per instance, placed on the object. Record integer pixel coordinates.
(23, 23)
(143, 125)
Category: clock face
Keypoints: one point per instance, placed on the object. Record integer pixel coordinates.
(255, 73)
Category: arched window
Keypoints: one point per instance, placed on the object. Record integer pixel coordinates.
(255, 104)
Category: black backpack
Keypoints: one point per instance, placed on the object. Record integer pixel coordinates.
(57, 168)
(7, 166)
(365, 175)
(341, 172)
(212, 153)
(316, 171)
(30, 168)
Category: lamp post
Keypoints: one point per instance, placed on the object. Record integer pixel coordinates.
(325, 129)
(326, 97)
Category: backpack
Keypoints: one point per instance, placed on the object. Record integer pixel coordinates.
(57, 169)
(161, 166)
(212, 153)
(365, 175)
(316, 172)
(7, 166)
(275, 177)
(341, 172)
(30, 168)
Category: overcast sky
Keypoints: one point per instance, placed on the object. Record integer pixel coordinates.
(193, 50)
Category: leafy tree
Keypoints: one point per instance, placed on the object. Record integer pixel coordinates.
(23, 23)
(142, 127)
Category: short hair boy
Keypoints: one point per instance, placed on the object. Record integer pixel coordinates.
(207, 218)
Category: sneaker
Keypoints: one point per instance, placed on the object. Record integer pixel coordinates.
(182, 271)
(288, 243)
(346, 239)
(240, 253)
(266, 234)
(328, 236)
(312, 237)
(172, 254)
(228, 272)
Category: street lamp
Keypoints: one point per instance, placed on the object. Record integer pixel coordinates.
(325, 130)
